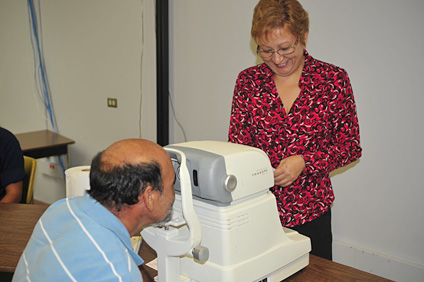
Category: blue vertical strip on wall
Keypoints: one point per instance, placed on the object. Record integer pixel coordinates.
(38, 58)
(45, 89)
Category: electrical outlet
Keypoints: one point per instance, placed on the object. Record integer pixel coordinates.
(112, 102)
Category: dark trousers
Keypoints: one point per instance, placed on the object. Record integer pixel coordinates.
(319, 231)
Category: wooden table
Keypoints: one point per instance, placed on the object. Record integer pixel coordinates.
(18, 220)
(43, 143)
(318, 270)
(16, 224)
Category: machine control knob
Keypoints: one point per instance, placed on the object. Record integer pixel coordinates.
(201, 253)
(230, 183)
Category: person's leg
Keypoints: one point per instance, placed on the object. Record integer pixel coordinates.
(319, 231)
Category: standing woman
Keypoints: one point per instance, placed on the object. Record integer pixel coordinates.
(302, 113)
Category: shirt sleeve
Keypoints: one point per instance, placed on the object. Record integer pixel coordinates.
(240, 131)
(344, 145)
(11, 160)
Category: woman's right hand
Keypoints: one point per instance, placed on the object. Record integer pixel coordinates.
(288, 170)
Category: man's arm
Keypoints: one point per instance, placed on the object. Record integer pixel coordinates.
(13, 193)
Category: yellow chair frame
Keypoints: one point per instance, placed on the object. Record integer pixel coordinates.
(28, 185)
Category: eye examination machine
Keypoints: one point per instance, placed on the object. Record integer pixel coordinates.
(225, 224)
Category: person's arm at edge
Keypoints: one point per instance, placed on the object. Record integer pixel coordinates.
(13, 193)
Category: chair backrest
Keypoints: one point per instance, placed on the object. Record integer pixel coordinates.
(27, 187)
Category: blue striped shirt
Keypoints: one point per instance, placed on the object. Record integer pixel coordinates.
(79, 240)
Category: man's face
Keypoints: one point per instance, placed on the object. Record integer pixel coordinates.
(168, 194)
(166, 219)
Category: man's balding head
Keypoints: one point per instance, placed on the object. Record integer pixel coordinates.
(133, 152)
(119, 174)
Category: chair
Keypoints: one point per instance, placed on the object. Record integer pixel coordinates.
(27, 187)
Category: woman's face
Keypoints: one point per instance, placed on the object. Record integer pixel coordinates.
(283, 65)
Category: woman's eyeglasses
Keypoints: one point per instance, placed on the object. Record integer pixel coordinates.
(282, 51)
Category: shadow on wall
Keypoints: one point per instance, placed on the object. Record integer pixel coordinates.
(253, 47)
(343, 169)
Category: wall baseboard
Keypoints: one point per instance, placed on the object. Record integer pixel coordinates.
(378, 263)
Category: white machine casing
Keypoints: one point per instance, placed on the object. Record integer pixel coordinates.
(238, 216)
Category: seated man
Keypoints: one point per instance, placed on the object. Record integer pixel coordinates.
(88, 238)
(12, 172)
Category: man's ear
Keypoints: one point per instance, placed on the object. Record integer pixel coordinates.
(149, 197)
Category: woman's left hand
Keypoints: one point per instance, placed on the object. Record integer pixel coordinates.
(288, 170)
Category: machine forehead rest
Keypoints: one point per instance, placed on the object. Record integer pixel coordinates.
(223, 172)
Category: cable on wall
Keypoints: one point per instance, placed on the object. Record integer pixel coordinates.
(40, 75)
(175, 117)
(140, 118)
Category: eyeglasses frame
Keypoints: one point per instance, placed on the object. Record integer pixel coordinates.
(273, 51)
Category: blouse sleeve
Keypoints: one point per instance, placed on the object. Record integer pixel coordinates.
(240, 131)
(344, 143)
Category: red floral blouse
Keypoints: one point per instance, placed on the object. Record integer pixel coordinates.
(322, 126)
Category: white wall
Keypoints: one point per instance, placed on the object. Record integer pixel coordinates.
(93, 50)
(377, 215)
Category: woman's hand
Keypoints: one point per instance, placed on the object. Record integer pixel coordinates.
(288, 170)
